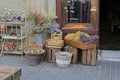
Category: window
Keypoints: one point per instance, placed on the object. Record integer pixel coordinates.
(79, 11)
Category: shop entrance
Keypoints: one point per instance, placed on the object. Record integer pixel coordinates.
(109, 25)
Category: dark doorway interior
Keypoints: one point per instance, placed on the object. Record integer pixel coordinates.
(109, 25)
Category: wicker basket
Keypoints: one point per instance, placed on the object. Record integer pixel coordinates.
(81, 45)
(63, 59)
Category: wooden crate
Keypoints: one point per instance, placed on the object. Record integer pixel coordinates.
(54, 43)
(73, 50)
(89, 56)
(10, 73)
(56, 36)
(51, 53)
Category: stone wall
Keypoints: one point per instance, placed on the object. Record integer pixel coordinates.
(49, 6)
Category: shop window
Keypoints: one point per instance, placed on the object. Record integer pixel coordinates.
(79, 11)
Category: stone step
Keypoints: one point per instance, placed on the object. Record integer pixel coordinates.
(109, 55)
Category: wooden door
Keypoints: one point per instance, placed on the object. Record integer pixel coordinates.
(64, 12)
(94, 13)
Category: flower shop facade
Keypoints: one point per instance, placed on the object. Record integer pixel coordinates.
(71, 15)
(104, 19)
(57, 31)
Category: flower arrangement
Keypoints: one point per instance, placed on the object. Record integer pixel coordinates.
(39, 22)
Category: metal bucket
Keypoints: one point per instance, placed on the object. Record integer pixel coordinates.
(33, 59)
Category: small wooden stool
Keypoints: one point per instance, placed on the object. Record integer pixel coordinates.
(73, 50)
(51, 53)
(89, 56)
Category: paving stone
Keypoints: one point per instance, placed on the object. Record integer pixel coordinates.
(104, 70)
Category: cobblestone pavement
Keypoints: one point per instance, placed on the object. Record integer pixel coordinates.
(104, 70)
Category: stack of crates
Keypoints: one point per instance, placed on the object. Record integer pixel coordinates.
(54, 45)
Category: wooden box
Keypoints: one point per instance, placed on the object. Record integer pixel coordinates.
(51, 54)
(56, 36)
(10, 73)
(54, 43)
(89, 56)
(74, 51)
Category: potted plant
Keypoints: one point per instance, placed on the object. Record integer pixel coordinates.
(34, 55)
(39, 25)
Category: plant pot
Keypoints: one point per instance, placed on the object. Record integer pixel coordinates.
(38, 39)
(33, 55)
(34, 59)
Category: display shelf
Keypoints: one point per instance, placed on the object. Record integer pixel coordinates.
(13, 23)
(13, 31)
(2, 30)
(14, 37)
(0, 47)
(11, 52)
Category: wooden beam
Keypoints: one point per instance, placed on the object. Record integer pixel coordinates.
(58, 11)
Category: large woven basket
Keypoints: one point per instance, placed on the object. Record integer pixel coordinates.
(82, 45)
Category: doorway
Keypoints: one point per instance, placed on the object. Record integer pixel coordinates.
(109, 25)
